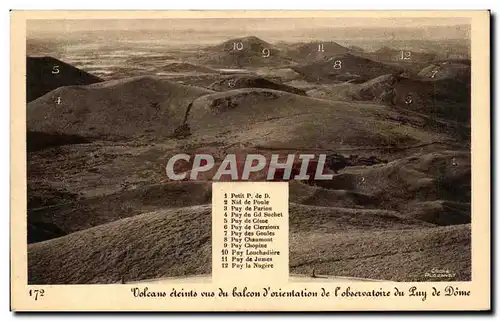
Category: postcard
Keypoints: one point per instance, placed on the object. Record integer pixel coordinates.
(250, 160)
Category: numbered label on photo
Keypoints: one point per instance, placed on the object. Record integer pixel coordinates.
(405, 55)
(238, 46)
(266, 52)
(337, 64)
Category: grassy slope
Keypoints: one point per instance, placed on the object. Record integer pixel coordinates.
(398, 255)
(276, 119)
(121, 108)
(170, 242)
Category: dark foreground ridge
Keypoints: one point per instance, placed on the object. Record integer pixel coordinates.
(44, 74)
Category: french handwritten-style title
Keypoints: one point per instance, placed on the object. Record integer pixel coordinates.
(272, 167)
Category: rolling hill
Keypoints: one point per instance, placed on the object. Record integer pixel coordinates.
(446, 98)
(401, 55)
(245, 52)
(459, 71)
(391, 254)
(170, 242)
(345, 67)
(180, 67)
(313, 51)
(237, 82)
(264, 117)
(118, 108)
(176, 242)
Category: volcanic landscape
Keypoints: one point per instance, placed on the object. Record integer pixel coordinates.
(103, 118)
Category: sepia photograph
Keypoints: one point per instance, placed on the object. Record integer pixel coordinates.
(382, 106)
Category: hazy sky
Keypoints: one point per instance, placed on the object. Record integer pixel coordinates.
(43, 26)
